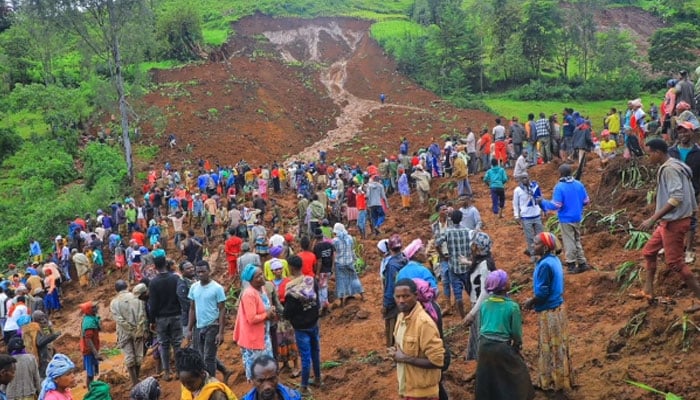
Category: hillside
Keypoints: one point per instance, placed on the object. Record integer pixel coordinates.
(290, 87)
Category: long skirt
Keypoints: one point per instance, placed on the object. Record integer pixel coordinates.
(249, 355)
(347, 283)
(286, 343)
(52, 301)
(501, 373)
(351, 213)
(554, 365)
(473, 345)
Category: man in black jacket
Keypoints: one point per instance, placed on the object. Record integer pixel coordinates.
(688, 151)
(301, 306)
(164, 317)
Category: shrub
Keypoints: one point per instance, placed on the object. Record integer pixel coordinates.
(103, 161)
(179, 31)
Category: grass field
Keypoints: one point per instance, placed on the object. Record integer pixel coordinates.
(595, 110)
(25, 123)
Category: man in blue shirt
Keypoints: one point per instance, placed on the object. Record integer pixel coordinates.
(208, 313)
(265, 379)
(568, 201)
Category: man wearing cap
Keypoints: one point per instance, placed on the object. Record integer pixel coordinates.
(130, 315)
(688, 152)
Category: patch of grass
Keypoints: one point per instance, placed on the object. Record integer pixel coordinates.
(595, 110)
(164, 64)
(26, 123)
(215, 37)
(147, 153)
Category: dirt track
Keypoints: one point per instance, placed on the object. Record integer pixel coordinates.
(270, 110)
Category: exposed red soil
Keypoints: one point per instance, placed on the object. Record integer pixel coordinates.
(299, 111)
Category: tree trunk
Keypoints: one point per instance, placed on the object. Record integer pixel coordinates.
(119, 83)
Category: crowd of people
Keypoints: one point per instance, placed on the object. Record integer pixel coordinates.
(284, 265)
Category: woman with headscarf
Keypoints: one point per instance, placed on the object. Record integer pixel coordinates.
(255, 311)
(27, 382)
(415, 268)
(147, 389)
(482, 264)
(347, 283)
(52, 301)
(555, 370)
(59, 379)
(501, 373)
(276, 253)
(38, 336)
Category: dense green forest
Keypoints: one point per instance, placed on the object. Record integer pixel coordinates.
(69, 66)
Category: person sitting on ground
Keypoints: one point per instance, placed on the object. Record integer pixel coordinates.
(60, 378)
(608, 147)
(147, 389)
(265, 379)
(197, 384)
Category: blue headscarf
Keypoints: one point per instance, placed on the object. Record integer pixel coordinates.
(59, 366)
(248, 273)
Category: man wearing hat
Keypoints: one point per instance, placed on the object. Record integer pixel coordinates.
(130, 315)
(422, 179)
(527, 212)
(688, 152)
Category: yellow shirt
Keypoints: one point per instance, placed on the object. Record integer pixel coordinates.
(207, 391)
(608, 146)
(613, 121)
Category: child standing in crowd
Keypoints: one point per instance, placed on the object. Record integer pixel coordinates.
(90, 340)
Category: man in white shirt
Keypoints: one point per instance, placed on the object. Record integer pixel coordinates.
(276, 239)
(471, 151)
(521, 164)
(526, 210)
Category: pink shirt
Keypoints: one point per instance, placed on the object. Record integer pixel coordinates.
(249, 331)
(56, 395)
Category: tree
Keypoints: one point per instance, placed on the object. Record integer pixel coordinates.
(674, 48)
(454, 52)
(583, 28)
(105, 26)
(179, 31)
(505, 21)
(614, 52)
(10, 142)
(539, 30)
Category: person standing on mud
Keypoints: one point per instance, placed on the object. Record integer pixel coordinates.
(419, 353)
(164, 316)
(568, 200)
(675, 204)
(688, 151)
(130, 315)
(376, 200)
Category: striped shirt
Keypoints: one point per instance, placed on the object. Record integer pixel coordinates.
(344, 254)
(458, 244)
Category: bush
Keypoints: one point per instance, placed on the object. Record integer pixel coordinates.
(103, 161)
(539, 90)
(10, 142)
(179, 31)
